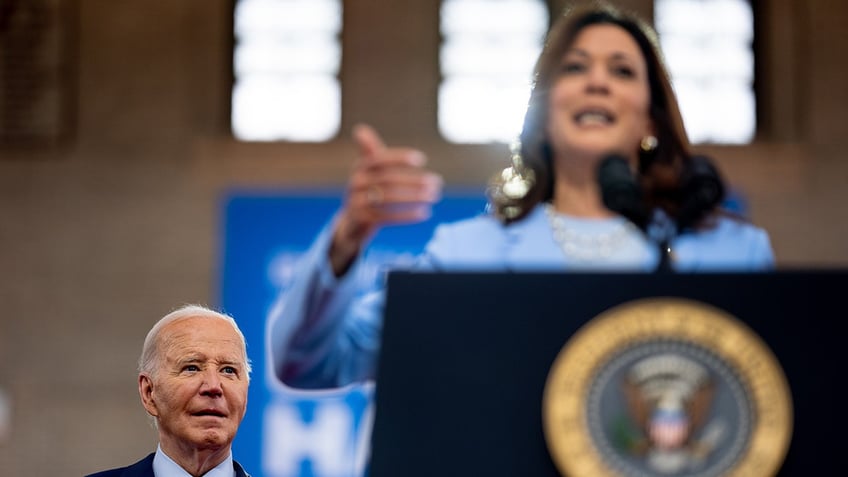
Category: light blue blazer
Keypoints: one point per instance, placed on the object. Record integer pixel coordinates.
(325, 333)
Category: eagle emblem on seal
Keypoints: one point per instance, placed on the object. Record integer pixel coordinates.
(669, 398)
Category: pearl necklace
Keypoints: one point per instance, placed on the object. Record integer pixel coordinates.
(587, 247)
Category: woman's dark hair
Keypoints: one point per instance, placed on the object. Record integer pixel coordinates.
(660, 169)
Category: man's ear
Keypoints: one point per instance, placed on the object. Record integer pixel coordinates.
(145, 390)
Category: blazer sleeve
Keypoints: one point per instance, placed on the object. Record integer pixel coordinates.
(323, 330)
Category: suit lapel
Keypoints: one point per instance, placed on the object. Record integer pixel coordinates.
(239, 470)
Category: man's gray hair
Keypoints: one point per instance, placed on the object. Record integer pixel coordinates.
(149, 364)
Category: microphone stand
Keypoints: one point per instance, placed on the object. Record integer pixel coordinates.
(663, 232)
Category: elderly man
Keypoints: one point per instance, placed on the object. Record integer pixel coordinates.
(193, 378)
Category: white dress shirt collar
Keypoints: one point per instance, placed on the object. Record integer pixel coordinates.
(164, 466)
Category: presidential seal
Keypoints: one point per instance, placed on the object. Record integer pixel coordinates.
(666, 387)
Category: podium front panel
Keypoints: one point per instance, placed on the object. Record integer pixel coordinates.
(466, 356)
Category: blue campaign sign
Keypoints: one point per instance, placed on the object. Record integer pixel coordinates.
(295, 433)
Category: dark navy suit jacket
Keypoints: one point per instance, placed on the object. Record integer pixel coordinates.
(144, 468)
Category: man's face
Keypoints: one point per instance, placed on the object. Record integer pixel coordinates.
(199, 393)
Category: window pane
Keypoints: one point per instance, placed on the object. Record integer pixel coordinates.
(487, 66)
(708, 47)
(286, 64)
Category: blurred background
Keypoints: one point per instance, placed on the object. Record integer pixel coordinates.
(126, 124)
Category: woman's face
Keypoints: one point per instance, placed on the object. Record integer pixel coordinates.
(599, 101)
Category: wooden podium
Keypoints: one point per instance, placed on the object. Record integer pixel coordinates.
(466, 358)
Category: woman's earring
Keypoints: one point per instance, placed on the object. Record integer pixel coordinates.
(649, 143)
(508, 189)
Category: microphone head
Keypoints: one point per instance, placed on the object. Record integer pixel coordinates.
(703, 190)
(621, 191)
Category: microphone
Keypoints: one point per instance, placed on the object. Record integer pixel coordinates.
(621, 191)
(702, 190)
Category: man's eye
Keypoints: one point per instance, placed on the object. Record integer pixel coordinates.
(191, 368)
(229, 370)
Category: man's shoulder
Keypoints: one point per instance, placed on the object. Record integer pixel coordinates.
(108, 473)
(144, 467)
